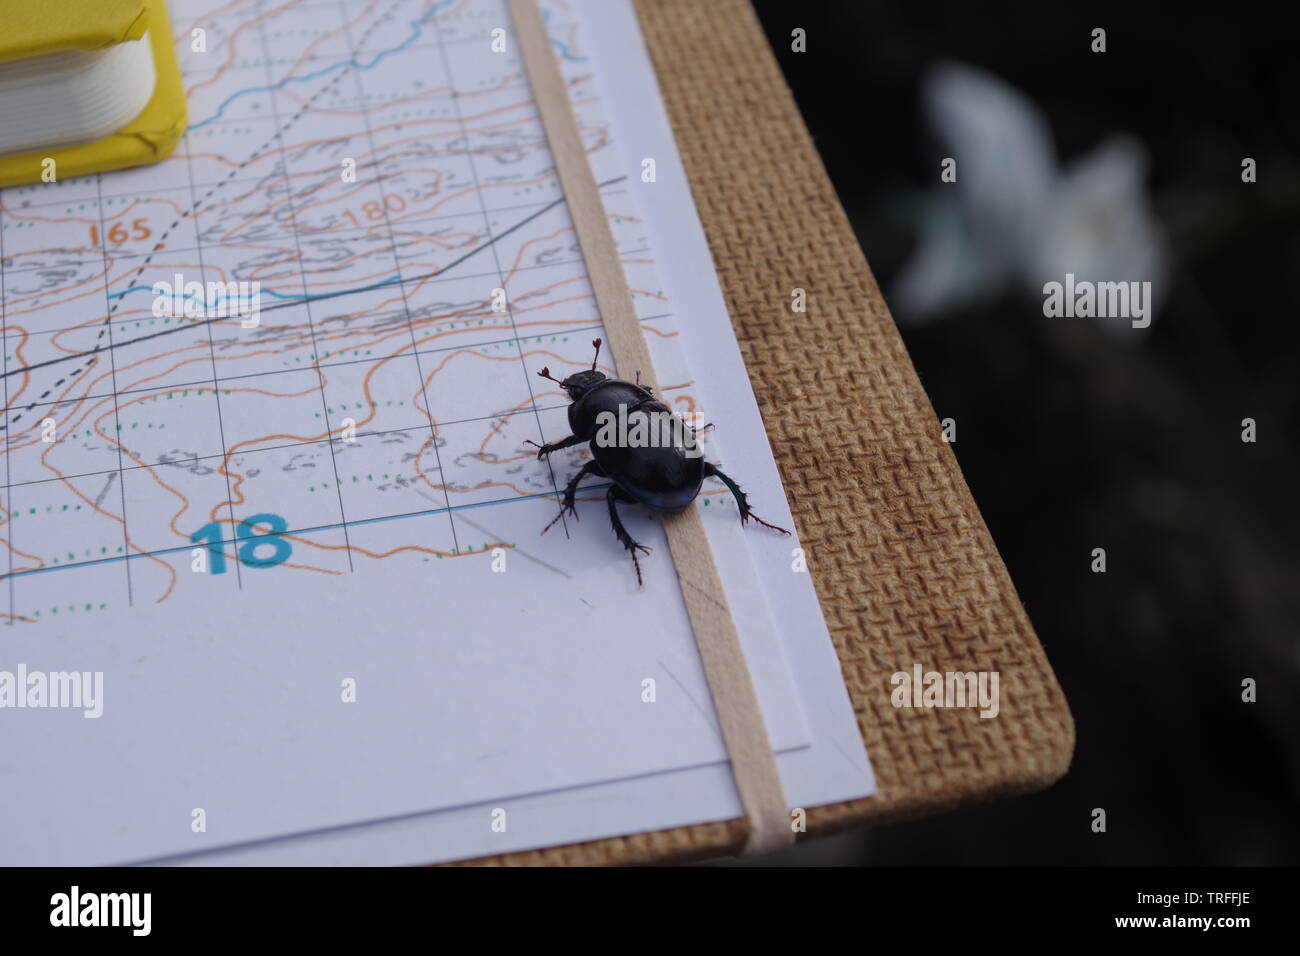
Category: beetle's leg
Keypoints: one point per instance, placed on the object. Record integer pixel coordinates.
(742, 500)
(616, 494)
(544, 450)
(571, 490)
(646, 387)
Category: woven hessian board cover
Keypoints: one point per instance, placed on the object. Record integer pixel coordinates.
(903, 564)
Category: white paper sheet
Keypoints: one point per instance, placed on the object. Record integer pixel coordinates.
(835, 767)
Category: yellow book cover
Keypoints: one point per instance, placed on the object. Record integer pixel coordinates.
(43, 29)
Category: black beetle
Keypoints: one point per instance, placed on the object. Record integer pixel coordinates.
(665, 476)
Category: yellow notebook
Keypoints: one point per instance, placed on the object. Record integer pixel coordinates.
(99, 60)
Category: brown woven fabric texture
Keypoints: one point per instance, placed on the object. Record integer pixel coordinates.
(904, 566)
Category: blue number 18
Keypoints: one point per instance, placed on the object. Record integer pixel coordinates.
(211, 533)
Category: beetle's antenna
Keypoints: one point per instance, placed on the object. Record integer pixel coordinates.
(546, 373)
(597, 355)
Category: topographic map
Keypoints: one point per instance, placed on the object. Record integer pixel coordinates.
(268, 407)
(375, 169)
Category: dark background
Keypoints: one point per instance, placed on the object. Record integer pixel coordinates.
(1073, 436)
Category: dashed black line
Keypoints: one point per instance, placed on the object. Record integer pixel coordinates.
(162, 239)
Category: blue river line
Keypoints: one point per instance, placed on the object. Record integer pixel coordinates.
(417, 29)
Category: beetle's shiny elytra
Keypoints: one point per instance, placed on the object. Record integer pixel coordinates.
(665, 477)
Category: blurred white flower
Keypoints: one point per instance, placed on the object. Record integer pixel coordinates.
(1014, 217)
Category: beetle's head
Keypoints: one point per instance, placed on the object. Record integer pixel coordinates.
(579, 383)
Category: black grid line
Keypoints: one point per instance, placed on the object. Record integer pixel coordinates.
(371, 433)
(8, 502)
(401, 283)
(355, 49)
(232, 379)
(320, 375)
(297, 532)
(121, 481)
(496, 259)
(212, 353)
(90, 252)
